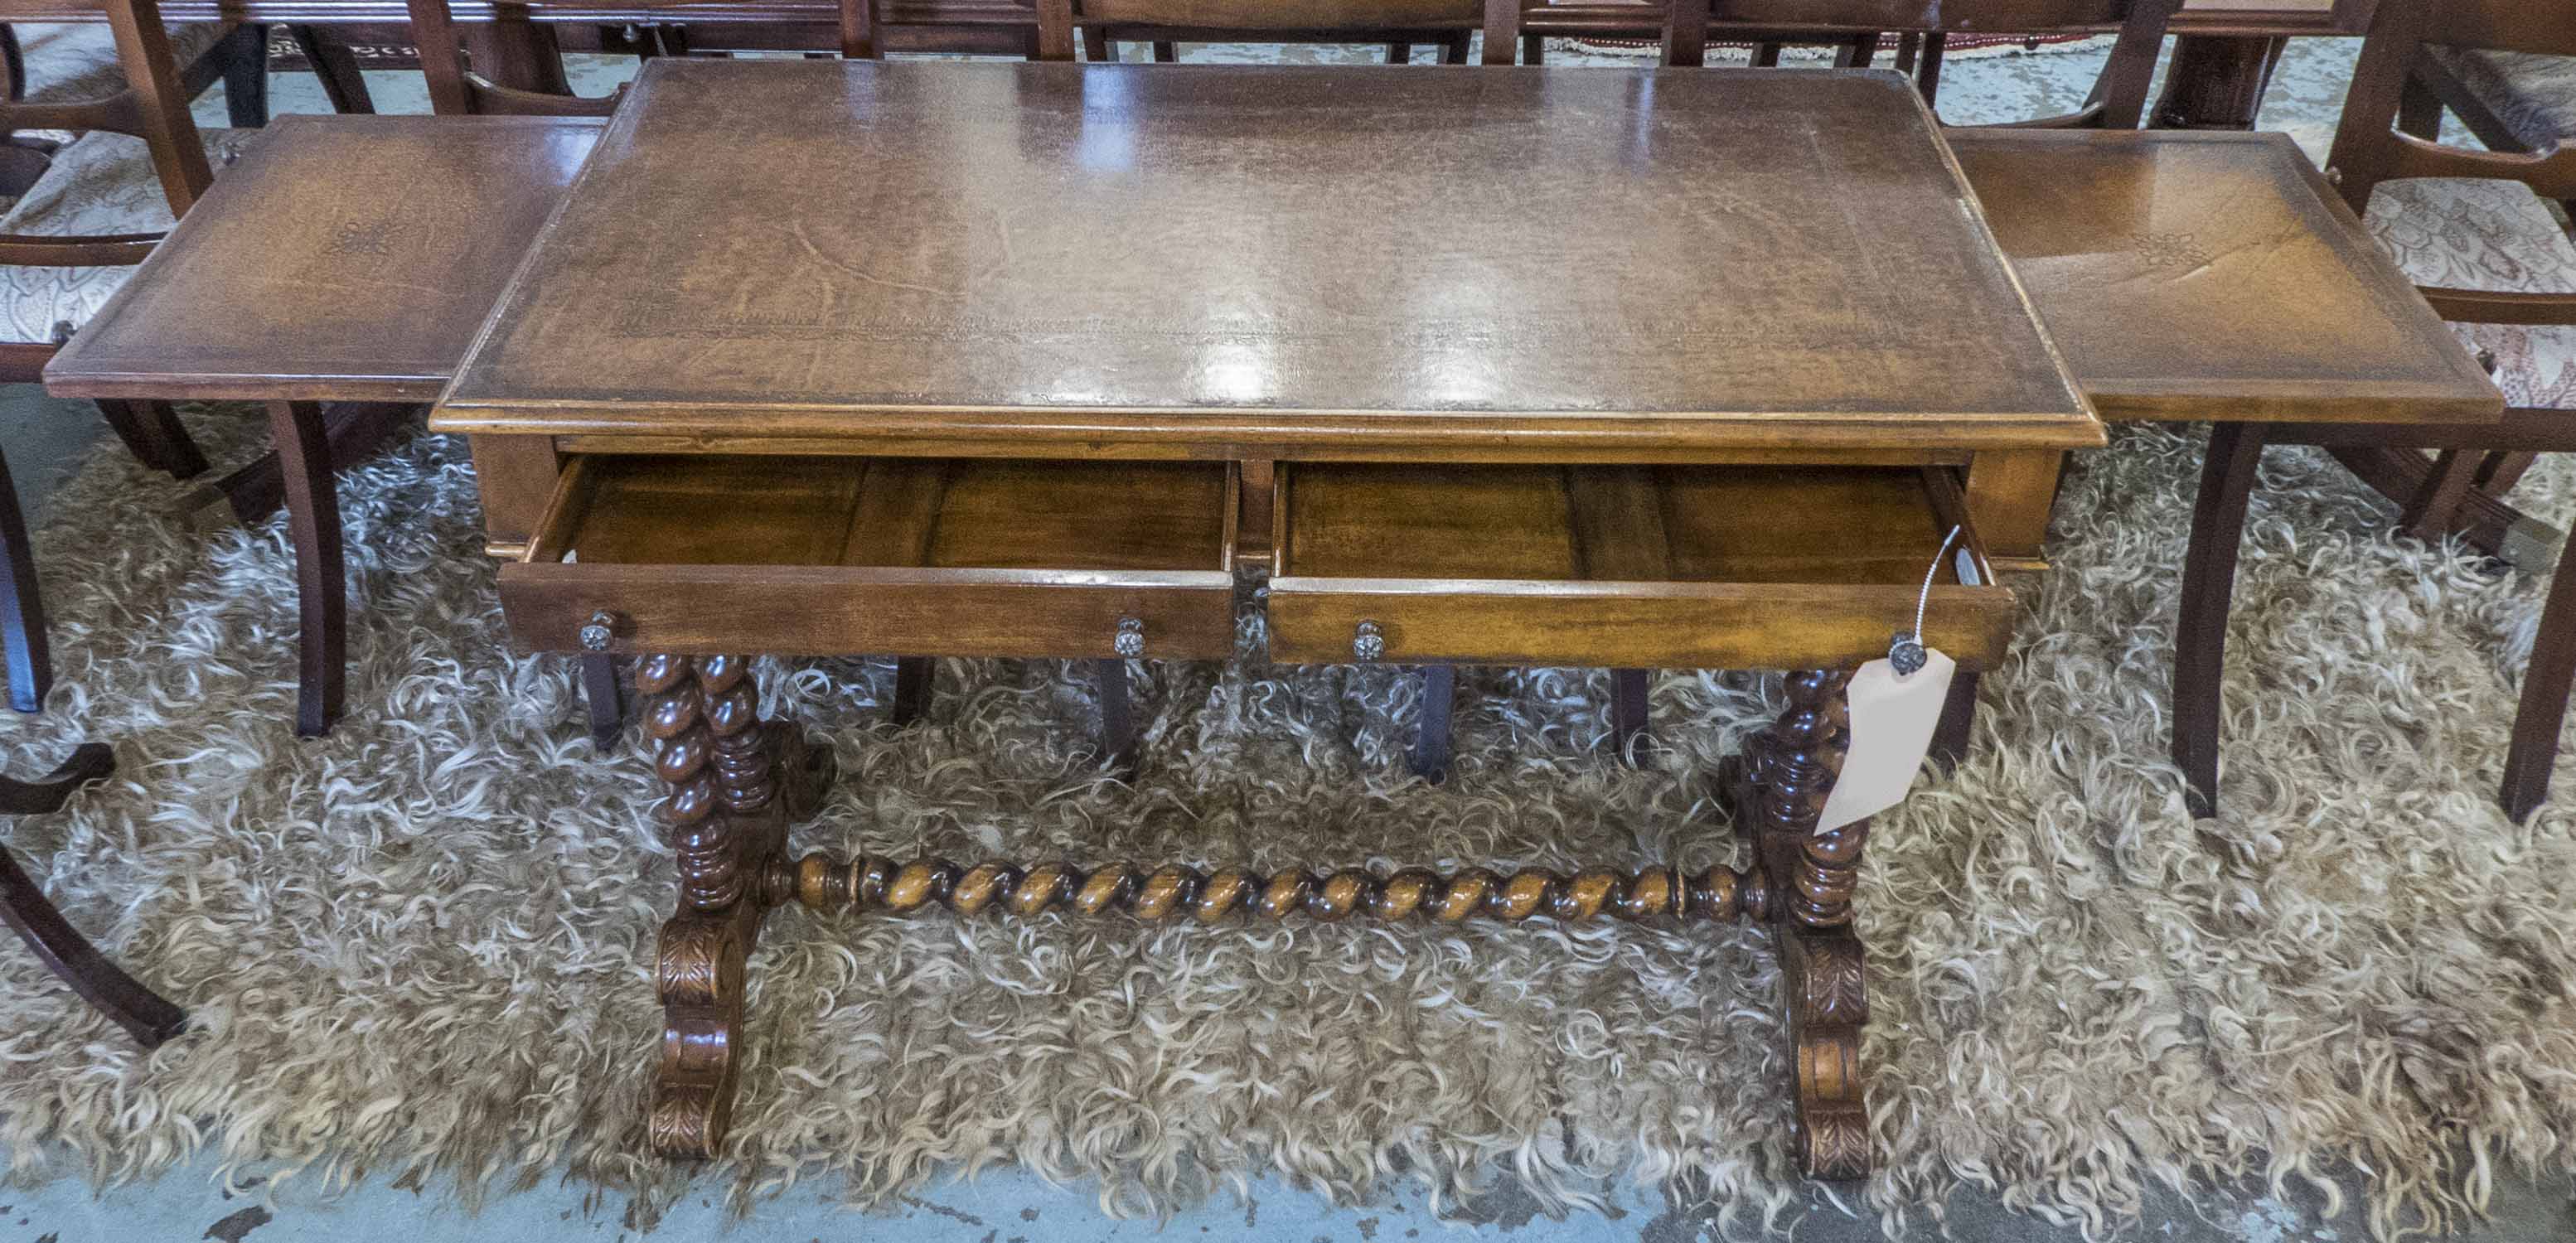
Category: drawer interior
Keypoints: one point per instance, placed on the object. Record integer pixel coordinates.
(1686, 524)
(926, 513)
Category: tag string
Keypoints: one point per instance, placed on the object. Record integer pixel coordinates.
(1923, 602)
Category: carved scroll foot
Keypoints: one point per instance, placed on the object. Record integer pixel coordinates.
(700, 971)
(736, 782)
(1821, 973)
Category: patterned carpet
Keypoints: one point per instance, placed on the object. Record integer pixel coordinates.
(416, 950)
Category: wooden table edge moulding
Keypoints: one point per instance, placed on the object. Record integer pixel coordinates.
(623, 442)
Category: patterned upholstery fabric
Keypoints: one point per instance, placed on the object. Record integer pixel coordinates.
(2535, 96)
(71, 61)
(102, 183)
(2489, 235)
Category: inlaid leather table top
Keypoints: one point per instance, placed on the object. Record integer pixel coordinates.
(1149, 260)
(341, 258)
(2216, 277)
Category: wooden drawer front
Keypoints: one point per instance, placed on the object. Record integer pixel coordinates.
(919, 557)
(1679, 567)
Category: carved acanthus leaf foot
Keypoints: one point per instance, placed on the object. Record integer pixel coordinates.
(1827, 999)
(700, 971)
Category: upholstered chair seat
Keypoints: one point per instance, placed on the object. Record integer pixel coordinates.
(2490, 235)
(102, 183)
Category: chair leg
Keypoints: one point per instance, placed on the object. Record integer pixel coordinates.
(1117, 718)
(2542, 713)
(313, 519)
(144, 1015)
(1927, 67)
(912, 679)
(1431, 742)
(1399, 53)
(2429, 514)
(153, 434)
(2208, 580)
(1628, 689)
(599, 694)
(1166, 51)
(246, 79)
(1096, 46)
(336, 67)
(22, 611)
(1454, 50)
(1533, 50)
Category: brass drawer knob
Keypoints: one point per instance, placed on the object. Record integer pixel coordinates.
(1369, 643)
(601, 631)
(1130, 642)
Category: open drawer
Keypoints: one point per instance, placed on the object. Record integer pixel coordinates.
(913, 556)
(1732, 567)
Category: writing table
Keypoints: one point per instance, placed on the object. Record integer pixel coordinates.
(1515, 366)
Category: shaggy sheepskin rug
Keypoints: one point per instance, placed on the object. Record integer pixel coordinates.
(418, 949)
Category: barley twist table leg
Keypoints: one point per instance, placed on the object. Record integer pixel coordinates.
(735, 782)
(1779, 795)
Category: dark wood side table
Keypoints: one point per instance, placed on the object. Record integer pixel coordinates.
(337, 273)
(2217, 278)
(842, 357)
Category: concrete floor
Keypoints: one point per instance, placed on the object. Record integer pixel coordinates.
(43, 437)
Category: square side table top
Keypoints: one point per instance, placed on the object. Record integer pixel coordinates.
(2206, 276)
(344, 258)
(1155, 260)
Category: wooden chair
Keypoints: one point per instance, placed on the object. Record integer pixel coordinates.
(2511, 101)
(144, 1014)
(1854, 27)
(1399, 24)
(2487, 254)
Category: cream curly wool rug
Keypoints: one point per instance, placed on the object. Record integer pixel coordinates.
(417, 949)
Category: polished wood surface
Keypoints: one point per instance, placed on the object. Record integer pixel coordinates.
(341, 258)
(1008, 310)
(2208, 276)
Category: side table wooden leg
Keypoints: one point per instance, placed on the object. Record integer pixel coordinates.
(1431, 740)
(735, 783)
(1628, 689)
(321, 583)
(1958, 722)
(1117, 717)
(913, 676)
(599, 697)
(2208, 583)
(1809, 878)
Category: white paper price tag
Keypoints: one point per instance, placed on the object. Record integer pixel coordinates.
(1892, 719)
